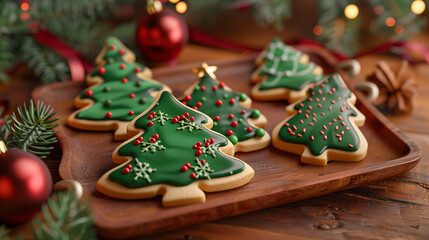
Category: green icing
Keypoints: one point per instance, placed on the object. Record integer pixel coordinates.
(208, 98)
(283, 69)
(177, 149)
(114, 50)
(113, 95)
(324, 113)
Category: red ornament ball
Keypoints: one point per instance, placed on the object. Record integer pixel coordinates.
(25, 183)
(160, 37)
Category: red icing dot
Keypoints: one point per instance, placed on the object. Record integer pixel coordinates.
(195, 108)
(231, 101)
(222, 85)
(126, 170)
(199, 104)
(188, 165)
(207, 144)
(108, 114)
(152, 140)
(188, 97)
(113, 47)
(243, 111)
(122, 66)
(191, 119)
(129, 166)
(199, 148)
(136, 142)
(184, 169)
(183, 102)
(231, 116)
(132, 95)
(212, 140)
(156, 136)
(193, 175)
(198, 152)
(216, 118)
(219, 102)
(203, 161)
(101, 70)
(131, 113)
(203, 88)
(124, 80)
(182, 117)
(152, 113)
(229, 132)
(249, 129)
(150, 123)
(174, 120)
(89, 93)
(121, 51)
(234, 123)
(195, 146)
(138, 69)
(150, 117)
(140, 138)
(186, 114)
(214, 88)
(287, 124)
(199, 144)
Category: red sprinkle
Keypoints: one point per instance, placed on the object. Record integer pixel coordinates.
(325, 137)
(149, 117)
(122, 66)
(121, 51)
(129, 166)
(234, 124)
(152, 140)
(140, 138)
(126, 170)
(108, 114)
(199, 144)
(150, 123)
(231, 101)
(324, 127)
(152, 113)
(339, 117)
(186, 114)
(214, 88)
(136, 142)
(195, 108)
(174, 120)
(203, 88)
(188, 97)
(113, 47)
(216, 118)
(243, 111)
(199, 104)
(212, 140)
(219, 102)
(299, 135)
(101, 70)
(131, 113)
(156, 136)
(294, 127)
(203, 161)
(304, 130)
(188, 165)
(322, 132)
(132, 95)
(229, 132)
(183, 102)
(249, 129)
(207, 144)
(231, 116)
(191, 119)
(124, 80)
(221, 84)
(138, 69)
(350, 145)
(184, 169)
(287, 124)
(198, 152)
(89, 93)
(312, 138)
(310, 123)
(193, 176)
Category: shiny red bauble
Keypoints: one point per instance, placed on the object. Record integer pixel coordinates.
(160, 37)
(25, 183)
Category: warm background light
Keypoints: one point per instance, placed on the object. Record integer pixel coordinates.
(181, 7)
(25, 6)
(418, 7)
(351, 11)
(390, 22)
(378, 10)
(173, 1)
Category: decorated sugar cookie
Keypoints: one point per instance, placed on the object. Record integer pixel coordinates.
(173, 153)
(230, 111)
(324, 126)
(120, 89)
(283, 73)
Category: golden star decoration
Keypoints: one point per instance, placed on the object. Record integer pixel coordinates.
(205, 69)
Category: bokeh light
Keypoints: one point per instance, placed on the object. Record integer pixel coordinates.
(390, 22)
(317, 30)
(351, 11)
(181, 7)
(418, 7)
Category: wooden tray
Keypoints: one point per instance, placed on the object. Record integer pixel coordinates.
(279, 178)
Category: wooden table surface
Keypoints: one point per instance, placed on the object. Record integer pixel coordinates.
(396, 208)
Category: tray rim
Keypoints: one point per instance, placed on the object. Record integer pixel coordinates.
(337, 181)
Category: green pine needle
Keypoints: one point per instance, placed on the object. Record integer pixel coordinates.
(31, 129)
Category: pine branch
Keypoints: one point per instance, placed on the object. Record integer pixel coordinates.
(64, 217)
(47, 65)
(7, 58)
(272, 12)
(31, 129)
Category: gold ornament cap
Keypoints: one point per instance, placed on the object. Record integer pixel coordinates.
(3, 148)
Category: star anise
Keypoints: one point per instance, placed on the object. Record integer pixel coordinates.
(397, 88)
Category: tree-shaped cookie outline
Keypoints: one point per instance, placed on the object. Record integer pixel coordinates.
(252, 144)
(329, 154)
(172, 195)
(83, 104)
(288, 55)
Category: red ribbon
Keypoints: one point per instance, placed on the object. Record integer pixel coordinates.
(408, 46)
(76, 64)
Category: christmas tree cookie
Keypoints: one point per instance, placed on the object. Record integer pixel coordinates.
(230, 111)
(175, 154)
(120, 89)
(324, 126)
(283, 73)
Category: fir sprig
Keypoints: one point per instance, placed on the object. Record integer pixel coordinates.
(64, 217)
(31, 129)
